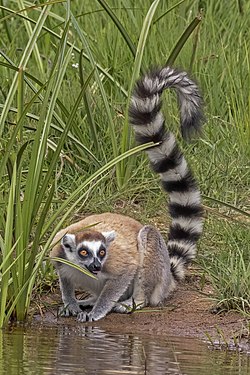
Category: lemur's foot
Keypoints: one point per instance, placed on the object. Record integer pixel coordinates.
(71, 309)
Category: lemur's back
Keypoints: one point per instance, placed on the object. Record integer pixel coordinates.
(125, 244)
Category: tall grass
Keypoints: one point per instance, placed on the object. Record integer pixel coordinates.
(31, 156)
(229, 272)
(67, 70)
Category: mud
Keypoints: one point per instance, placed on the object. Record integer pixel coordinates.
(188, 313)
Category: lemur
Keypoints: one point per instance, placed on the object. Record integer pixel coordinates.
(132, 264)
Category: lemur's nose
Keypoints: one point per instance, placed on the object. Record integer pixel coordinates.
(96, 265)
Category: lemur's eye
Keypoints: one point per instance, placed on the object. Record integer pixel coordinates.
(102, 252)
(83, 252)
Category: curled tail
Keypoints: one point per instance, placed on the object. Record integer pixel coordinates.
(166, 158)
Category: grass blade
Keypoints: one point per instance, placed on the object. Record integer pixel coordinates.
(4, 287)
(184, 37)
(135, 74)
(29, 32)
(27, 52)
(119, 26)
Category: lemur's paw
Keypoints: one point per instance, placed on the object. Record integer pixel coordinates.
(123, 307)
(85, 317)
(128, 306)
(91, 316)
(69, 310)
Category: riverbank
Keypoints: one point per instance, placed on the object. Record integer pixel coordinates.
(189, 313)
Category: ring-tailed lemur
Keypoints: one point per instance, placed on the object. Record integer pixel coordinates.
(132, 263)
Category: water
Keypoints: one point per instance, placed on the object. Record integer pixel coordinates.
(89, 350)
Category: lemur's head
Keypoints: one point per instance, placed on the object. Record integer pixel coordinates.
(87, 249)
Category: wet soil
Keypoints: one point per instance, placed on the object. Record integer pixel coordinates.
(188, 313)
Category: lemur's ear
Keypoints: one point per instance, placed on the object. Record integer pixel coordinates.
(109, 236)
(68, 242)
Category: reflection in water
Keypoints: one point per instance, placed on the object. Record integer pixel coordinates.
(90, 350)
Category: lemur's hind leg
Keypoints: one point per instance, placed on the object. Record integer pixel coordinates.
(154, 276)
(153, 280)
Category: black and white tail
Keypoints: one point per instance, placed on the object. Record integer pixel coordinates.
(166, 158)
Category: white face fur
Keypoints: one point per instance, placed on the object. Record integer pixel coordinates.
(89, 253)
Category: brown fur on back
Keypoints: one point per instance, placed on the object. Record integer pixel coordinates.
(124, 246)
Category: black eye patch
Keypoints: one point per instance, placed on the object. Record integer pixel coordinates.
(102, 252)
(83, 252)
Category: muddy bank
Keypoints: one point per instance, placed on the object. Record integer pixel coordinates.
(188, 314)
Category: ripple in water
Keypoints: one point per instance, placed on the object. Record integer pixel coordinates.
(89, 350)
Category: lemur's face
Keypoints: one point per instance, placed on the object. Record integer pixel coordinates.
(88, 250)
(92, 255)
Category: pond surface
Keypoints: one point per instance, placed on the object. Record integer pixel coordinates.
(89, 350)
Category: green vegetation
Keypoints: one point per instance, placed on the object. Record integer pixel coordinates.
(67, 70)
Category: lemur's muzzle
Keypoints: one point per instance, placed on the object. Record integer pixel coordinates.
(95, 266)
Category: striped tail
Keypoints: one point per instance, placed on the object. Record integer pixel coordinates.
(166, 158)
